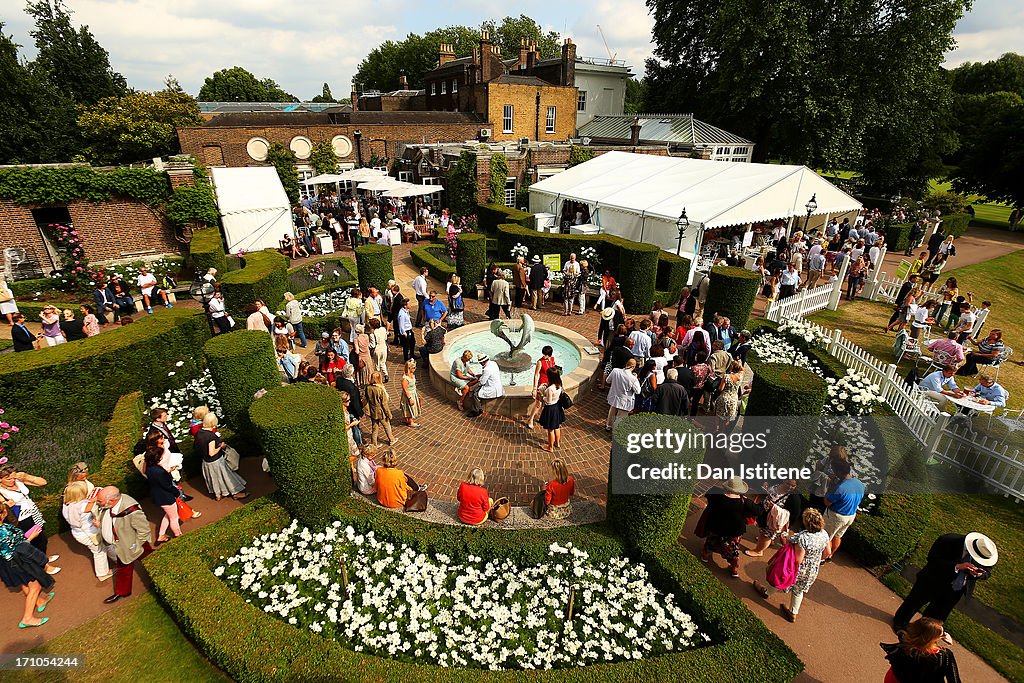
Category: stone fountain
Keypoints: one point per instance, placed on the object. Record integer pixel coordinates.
(515, 359)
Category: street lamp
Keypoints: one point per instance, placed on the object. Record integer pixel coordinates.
(358, 135)
(682, 223)
(203, 291)
(811, 207)
(896, 199)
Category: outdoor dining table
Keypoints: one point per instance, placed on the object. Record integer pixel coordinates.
(972, 405)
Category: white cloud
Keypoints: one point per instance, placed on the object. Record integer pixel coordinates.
(626, 25)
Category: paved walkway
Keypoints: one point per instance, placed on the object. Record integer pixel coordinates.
(844, 617)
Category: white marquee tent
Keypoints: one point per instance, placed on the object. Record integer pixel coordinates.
(640, 196)
(253, 206)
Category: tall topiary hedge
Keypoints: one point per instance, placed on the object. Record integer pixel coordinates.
(86, 377)
(264, 277)
(241, 363)
(207, 251)
(490, 216)
(956, 224)
(435, 258)
(786, 390)
(673, 272)
(731, 293)
(302, 430)
(373, 264)
(649, 522)
(897, 236)
(471, 259)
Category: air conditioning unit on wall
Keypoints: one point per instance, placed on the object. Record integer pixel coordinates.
(485, 133)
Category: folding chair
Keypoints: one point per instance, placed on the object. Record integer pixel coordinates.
(1001, 358)
(899, 347)
(939, 359)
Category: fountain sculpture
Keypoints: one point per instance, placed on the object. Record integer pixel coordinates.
(515, 359)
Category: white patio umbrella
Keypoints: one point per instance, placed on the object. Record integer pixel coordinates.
(362, 174)
(382, 184)
(323, 179)
(413, 191)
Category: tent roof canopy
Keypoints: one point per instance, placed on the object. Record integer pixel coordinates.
(714, 193)
(248, 189)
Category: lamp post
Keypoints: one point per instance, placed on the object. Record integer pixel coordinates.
(682, 223)
(811, 207)
(203, 291)
(358, 135)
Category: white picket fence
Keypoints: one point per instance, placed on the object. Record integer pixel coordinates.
(889, 288)
(980, 456)
(804, 302)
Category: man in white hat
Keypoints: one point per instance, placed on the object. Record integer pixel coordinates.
(485, 387)
(955, 563)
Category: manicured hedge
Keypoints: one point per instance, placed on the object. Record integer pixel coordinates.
(250, 645)
(490, 216)
(956, 224)
(241, 363)
(85, 378)
(264, 277)
(653, 521)
(470, 260)
(634, 264)
(427, 256)
(302, 430)
(299, 281)
(780, 389)
(673, 272)
(897, 236)
(731, 293)
(829, 364)
(313, 326)
(373, 263)
(207, 251)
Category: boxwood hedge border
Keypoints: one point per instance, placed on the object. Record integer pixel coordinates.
(490, 216)
(374, 266)
(207, 251)
(425, 256)
(264, 276)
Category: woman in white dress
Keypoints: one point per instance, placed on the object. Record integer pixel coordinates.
(379, 346)
(78, 511)
(8, 306)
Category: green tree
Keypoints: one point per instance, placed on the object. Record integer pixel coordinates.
(238, 85)
(323, 159)
(840, 84)
(70, 59)
(20, 107)
(462, 185)
(578, 154)
(138, 126)
(283, 160)
(324, 96)
(417, 54)
(636, 95)
(992, 164)
(980, 78)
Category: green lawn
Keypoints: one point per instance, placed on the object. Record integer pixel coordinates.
(998, 281)
(136, 642)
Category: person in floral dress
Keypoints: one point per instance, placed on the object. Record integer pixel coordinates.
(810, 544)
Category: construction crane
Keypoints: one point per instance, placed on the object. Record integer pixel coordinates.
(611, 57)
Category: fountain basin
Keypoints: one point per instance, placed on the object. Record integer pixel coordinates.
(579, 367)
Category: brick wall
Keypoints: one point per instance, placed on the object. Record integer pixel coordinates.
(110, 231)
(230, 141)
(529, 119)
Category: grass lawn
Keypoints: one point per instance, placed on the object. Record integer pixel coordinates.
(141, 638)
(998, 281)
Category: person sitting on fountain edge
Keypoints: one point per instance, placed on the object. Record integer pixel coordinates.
(485, 387)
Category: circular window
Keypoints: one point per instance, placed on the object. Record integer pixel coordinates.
(257, 148)
(301, 146)
(342, 146)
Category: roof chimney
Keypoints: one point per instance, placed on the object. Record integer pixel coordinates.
(523, 51)
(355, 96)
(568, 62)
(486, 57)
(634, 132)
(531, 56)
(403, 82)
(445, 54)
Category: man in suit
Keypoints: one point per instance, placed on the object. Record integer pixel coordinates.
(713, 328)
(687, 305)
(538, 275)
(933, 244)
(519, 280)
(22, 338)
(123, 526)
(500, 300)
(671, 398)
(955, 563)
(104, 301)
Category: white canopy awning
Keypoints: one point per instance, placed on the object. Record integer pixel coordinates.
(253, 206)
(383, 183)
(323, 179)
(413, 191)
(714, 193)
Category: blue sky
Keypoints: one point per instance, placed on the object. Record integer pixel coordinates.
(326, 39)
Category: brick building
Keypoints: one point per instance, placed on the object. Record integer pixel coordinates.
(357, 137)
(520, 97)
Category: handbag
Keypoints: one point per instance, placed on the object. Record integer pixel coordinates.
(502, 508)
(539, 504)
(416, 501)
(184, 511)
(231, 458)
(564, 401)
(783, 567)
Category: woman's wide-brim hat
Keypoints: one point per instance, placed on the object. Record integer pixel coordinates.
(735, 485)
(608, 314)
(982, 549)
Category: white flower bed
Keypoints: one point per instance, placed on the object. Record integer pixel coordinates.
(854, 436)
(809, 332)
(771, 347)
(495, 615)
(853, 395)
(181, 402)
(321, 304)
